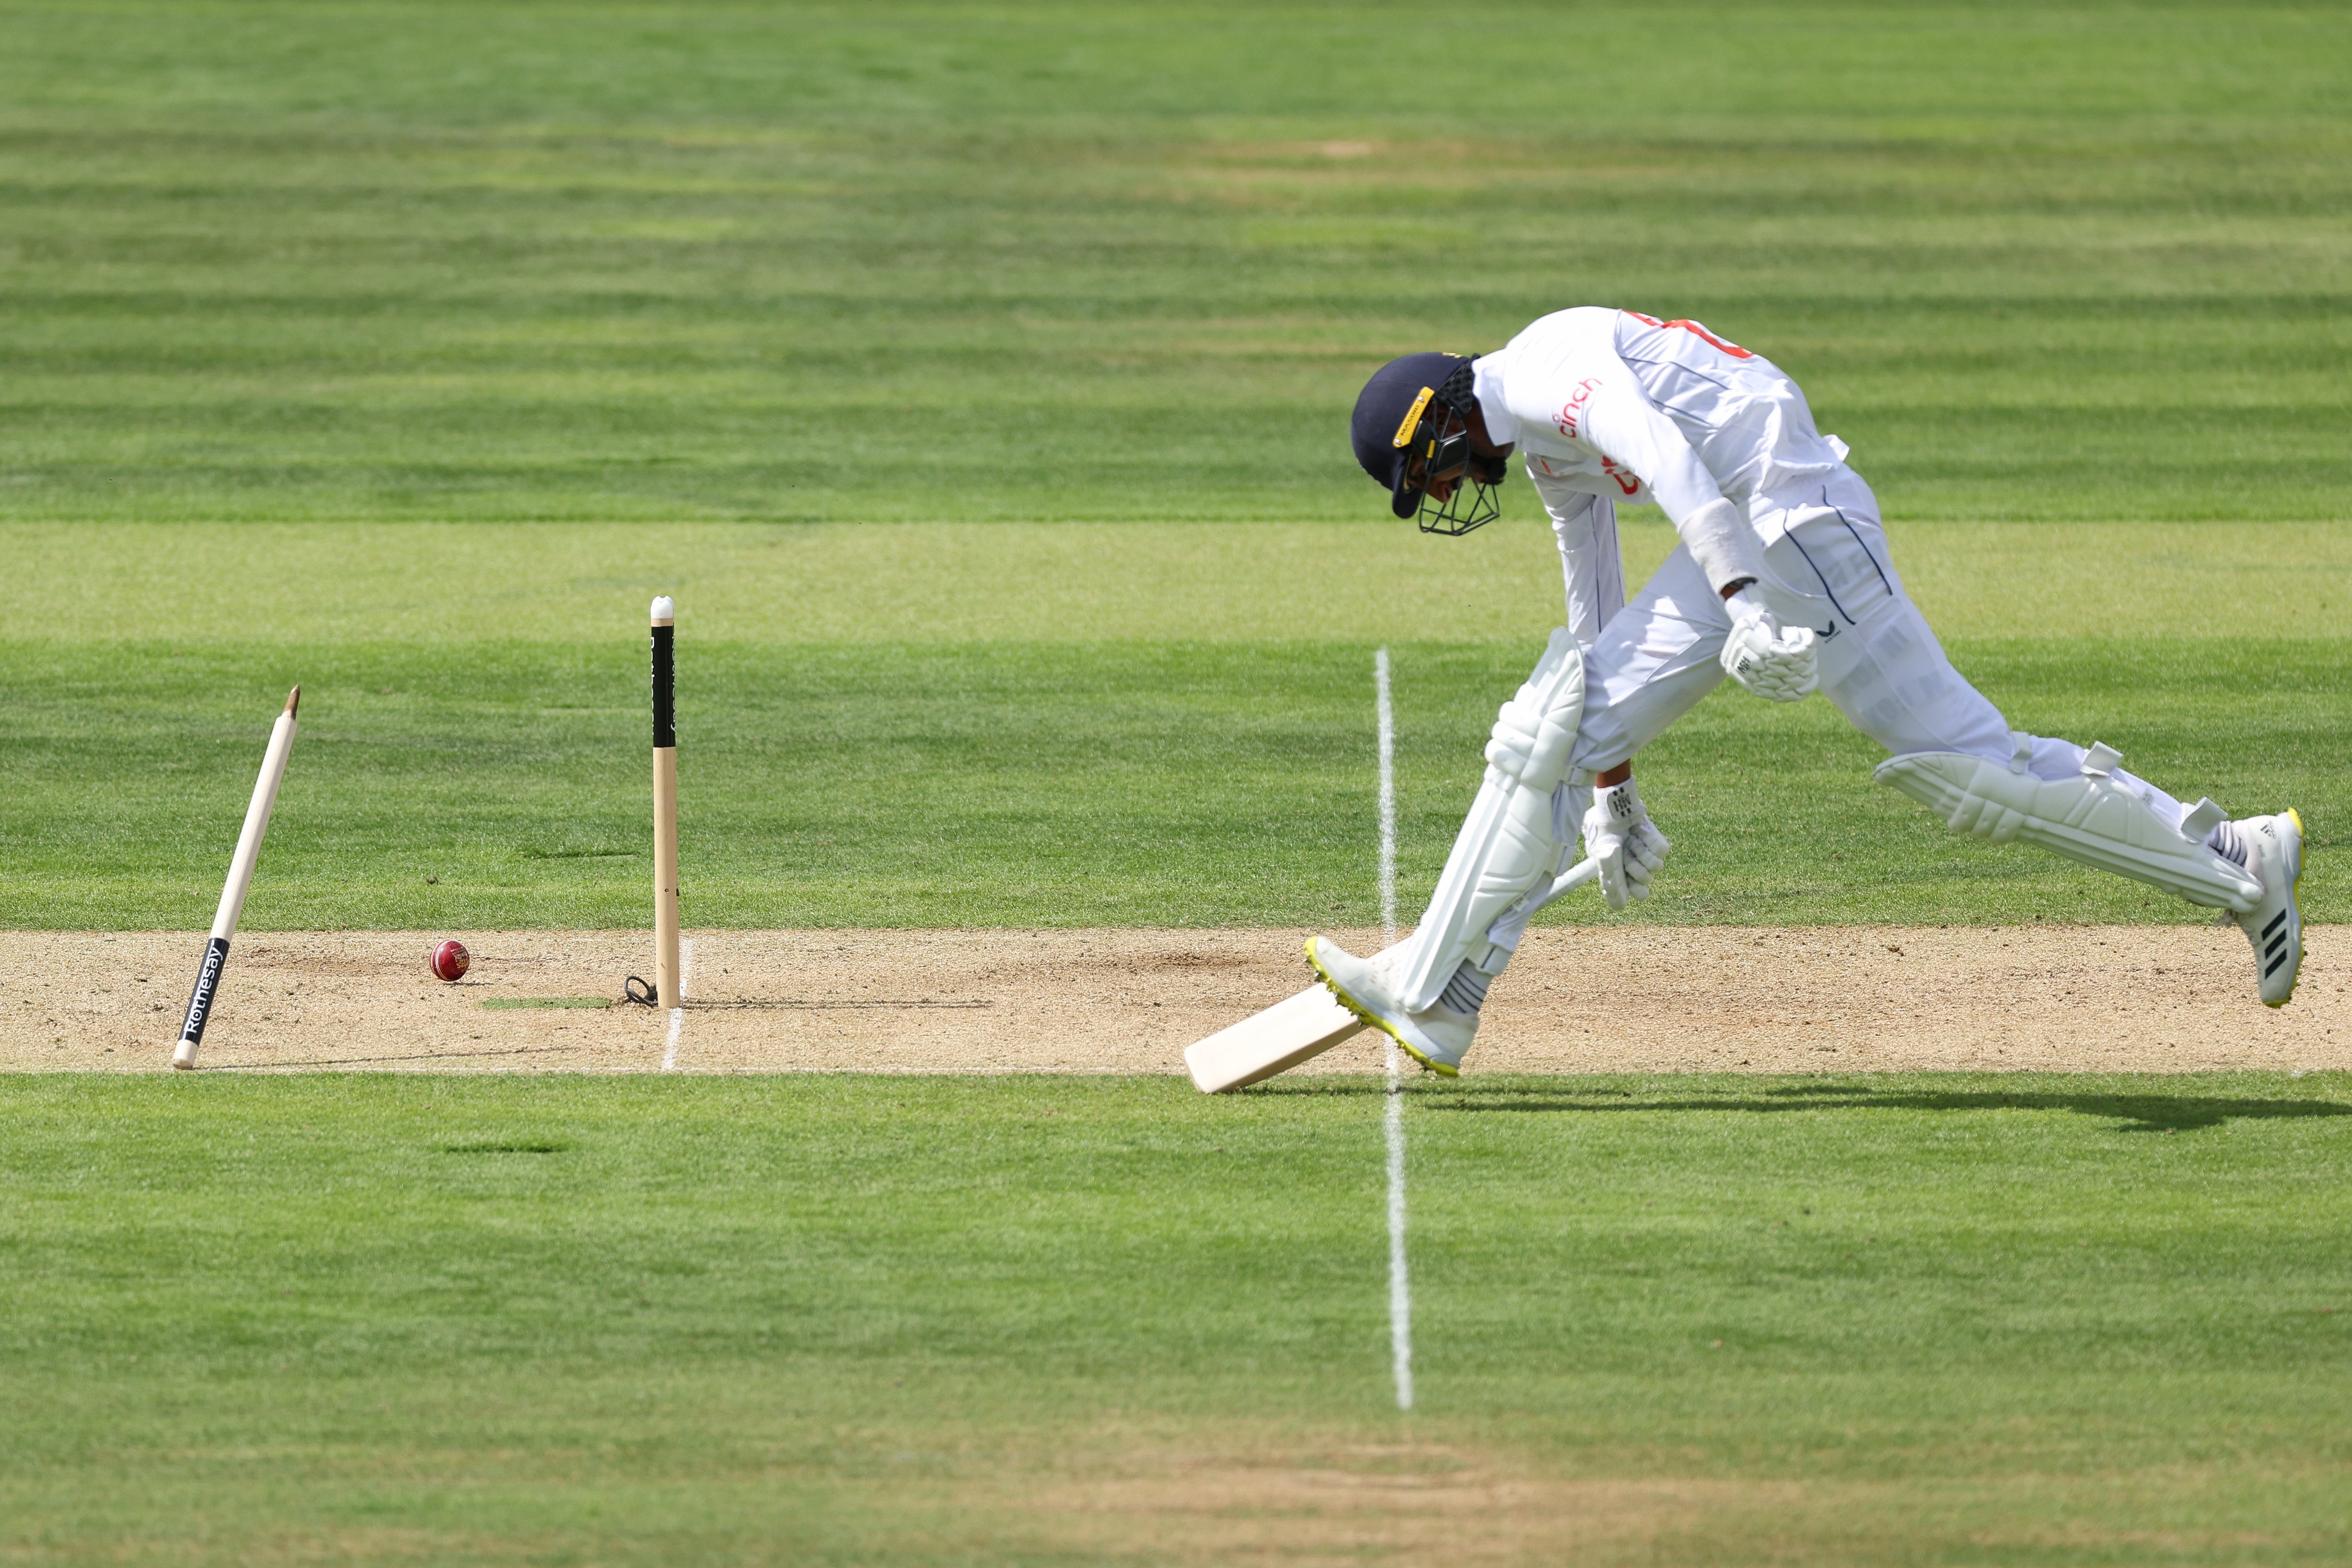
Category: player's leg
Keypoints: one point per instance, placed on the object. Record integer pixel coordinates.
(1425, 992)
(1881, 663)
(1651, 664)
(1578, 715)
(1884, 668)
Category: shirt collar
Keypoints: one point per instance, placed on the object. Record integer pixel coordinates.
(1486, 385)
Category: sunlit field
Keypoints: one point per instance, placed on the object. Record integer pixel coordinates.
(976, 378)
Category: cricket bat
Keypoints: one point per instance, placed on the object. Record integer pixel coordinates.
(1273, 1041)
(240, 877)
(1279, 1038)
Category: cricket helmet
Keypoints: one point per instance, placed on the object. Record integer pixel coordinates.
(1412, 421)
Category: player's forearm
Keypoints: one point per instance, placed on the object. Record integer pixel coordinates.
(1723, 544)
(1594, 585)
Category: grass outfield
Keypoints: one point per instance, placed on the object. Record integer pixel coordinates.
(1112, 267)
(612, 261)
(405, 350)
(2045, 1319)
(1054, 724)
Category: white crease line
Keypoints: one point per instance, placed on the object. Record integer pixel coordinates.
(1399, 1282)
(1388, 799)
(677, 1015)
(1400, 1285)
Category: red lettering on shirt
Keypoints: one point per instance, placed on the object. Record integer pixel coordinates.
(1627, 480)
(1734, 349)
(1573, 409)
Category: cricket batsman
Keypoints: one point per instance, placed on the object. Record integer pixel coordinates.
(1782, 582)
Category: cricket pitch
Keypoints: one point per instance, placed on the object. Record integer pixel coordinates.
(1708, 999)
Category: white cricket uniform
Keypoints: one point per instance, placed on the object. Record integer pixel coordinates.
(1611, 405)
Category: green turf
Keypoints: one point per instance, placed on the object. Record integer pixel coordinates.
(1110, 261)
(1084, 267)
(1206, 759)
(1927, 1319)
(1035, 324)
(1042, 785)
(584, 585)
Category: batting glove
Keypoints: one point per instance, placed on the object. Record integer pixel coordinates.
(1777, 663)
(1618, 834)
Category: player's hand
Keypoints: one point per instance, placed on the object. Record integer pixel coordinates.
(1618, 834)
(1781, 664)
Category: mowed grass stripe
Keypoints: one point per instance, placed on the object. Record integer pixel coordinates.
(1371, 580)
(2009, 1317)
(502, 786)
(615, 262)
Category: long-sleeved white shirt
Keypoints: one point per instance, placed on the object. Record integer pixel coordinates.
(1624, 405)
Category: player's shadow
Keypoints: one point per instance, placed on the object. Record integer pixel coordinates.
(2137, 1113)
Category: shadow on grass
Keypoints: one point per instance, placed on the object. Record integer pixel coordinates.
(2139, 1112)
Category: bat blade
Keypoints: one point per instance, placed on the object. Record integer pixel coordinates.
(1273, 1041)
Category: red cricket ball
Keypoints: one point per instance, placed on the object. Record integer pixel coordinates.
(450, 960)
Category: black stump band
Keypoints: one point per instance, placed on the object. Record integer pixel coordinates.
(664, 688)
(200, 1005)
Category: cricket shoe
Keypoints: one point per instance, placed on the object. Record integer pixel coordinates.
(2272, 848)
(1437, 1037)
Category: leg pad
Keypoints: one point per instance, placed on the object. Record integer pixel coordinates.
(2089, 818)
(1510, 844)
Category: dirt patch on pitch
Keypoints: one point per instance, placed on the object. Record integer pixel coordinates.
(2106, 999)
(1407, 1504)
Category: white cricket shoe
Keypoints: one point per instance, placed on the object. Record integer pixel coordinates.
(2274, 850)
(1436, 1038)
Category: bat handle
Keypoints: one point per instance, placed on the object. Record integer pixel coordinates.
(1569, 881)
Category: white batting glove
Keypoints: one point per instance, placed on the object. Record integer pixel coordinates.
(1618, 834)
(1774, 661)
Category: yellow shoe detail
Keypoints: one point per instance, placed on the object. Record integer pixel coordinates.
(1315, 962)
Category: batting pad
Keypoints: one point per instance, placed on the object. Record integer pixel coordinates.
(2089, 818)
(1509, 845)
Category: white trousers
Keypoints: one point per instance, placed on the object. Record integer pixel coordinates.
(1880, 663)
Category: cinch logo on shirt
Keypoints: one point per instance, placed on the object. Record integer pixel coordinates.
(1627, 480)
(1571, 410)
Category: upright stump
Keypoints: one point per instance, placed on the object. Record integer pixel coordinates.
(669, 992)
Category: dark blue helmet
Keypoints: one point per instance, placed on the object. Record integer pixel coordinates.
(1412, 421)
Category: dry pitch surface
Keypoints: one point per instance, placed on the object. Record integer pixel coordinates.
(2094, 998)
